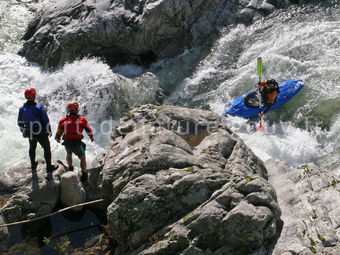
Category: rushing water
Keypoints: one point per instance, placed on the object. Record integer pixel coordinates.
(102, 93)
(297, 43)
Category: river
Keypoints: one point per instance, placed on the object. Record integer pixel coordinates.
(296, 43)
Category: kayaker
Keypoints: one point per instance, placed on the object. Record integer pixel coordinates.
(269, 90)
(34, 124)
(71, 127)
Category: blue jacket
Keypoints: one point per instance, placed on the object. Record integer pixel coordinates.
(33, 119)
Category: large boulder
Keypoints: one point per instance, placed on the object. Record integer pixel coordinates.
(108, 96)
(310, 201)
(128, 30)
(177, 181)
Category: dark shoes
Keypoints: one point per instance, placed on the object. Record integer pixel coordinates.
(51, 168)
(34, 165)
(83, 177)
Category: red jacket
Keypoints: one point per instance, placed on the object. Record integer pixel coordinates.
(72, 127)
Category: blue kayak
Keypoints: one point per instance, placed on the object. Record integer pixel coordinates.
(248, 105)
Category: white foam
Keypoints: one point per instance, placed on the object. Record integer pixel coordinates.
(100, 92)
(281, 140)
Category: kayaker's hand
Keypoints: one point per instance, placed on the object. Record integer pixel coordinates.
(261, 114)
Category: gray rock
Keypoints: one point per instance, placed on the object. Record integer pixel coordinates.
(179, 182)
(310, 201)
(267, 8)
(3, 230)
(31, 194)
(22, 175)
(71, 190)
(28, 203)
(28, 194)
(130, 31)
(121, 92)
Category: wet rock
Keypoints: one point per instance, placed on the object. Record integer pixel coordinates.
(33, 193)
(309, 198)
(131, 31)
(111, 97)
(122, 31)
(179, 182)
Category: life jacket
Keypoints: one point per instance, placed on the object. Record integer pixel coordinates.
(271, 97)
(33, 118)
(270, 90)
(72, 127)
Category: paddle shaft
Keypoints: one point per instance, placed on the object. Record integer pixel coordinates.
(259, 72)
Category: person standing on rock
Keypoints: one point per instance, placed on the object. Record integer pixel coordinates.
(34, 124)
(71, 127)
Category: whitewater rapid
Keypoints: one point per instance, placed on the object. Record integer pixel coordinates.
(297, 43)
(103, 94)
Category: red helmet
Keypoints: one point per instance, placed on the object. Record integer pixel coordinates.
(73, 107)
(30, 93)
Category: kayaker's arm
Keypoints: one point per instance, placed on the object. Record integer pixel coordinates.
(268, 106)
(261, 84)
(59, 133)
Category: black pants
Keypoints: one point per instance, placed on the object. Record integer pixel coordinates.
(45, 144)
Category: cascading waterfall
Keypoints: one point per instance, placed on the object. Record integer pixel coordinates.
(299, 42)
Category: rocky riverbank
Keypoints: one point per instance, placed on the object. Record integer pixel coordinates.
(178, 181)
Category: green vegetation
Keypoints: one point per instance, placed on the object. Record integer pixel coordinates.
(157, 108)
(306, 169)
(131, 114)
(314, 215)
(322, 239)
(191, 169)
(312, 249)
(249, 178)
(333, 183)
(186, 217)
(162, 187)
(313, 244)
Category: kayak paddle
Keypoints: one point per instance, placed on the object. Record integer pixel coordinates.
(259, 72)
